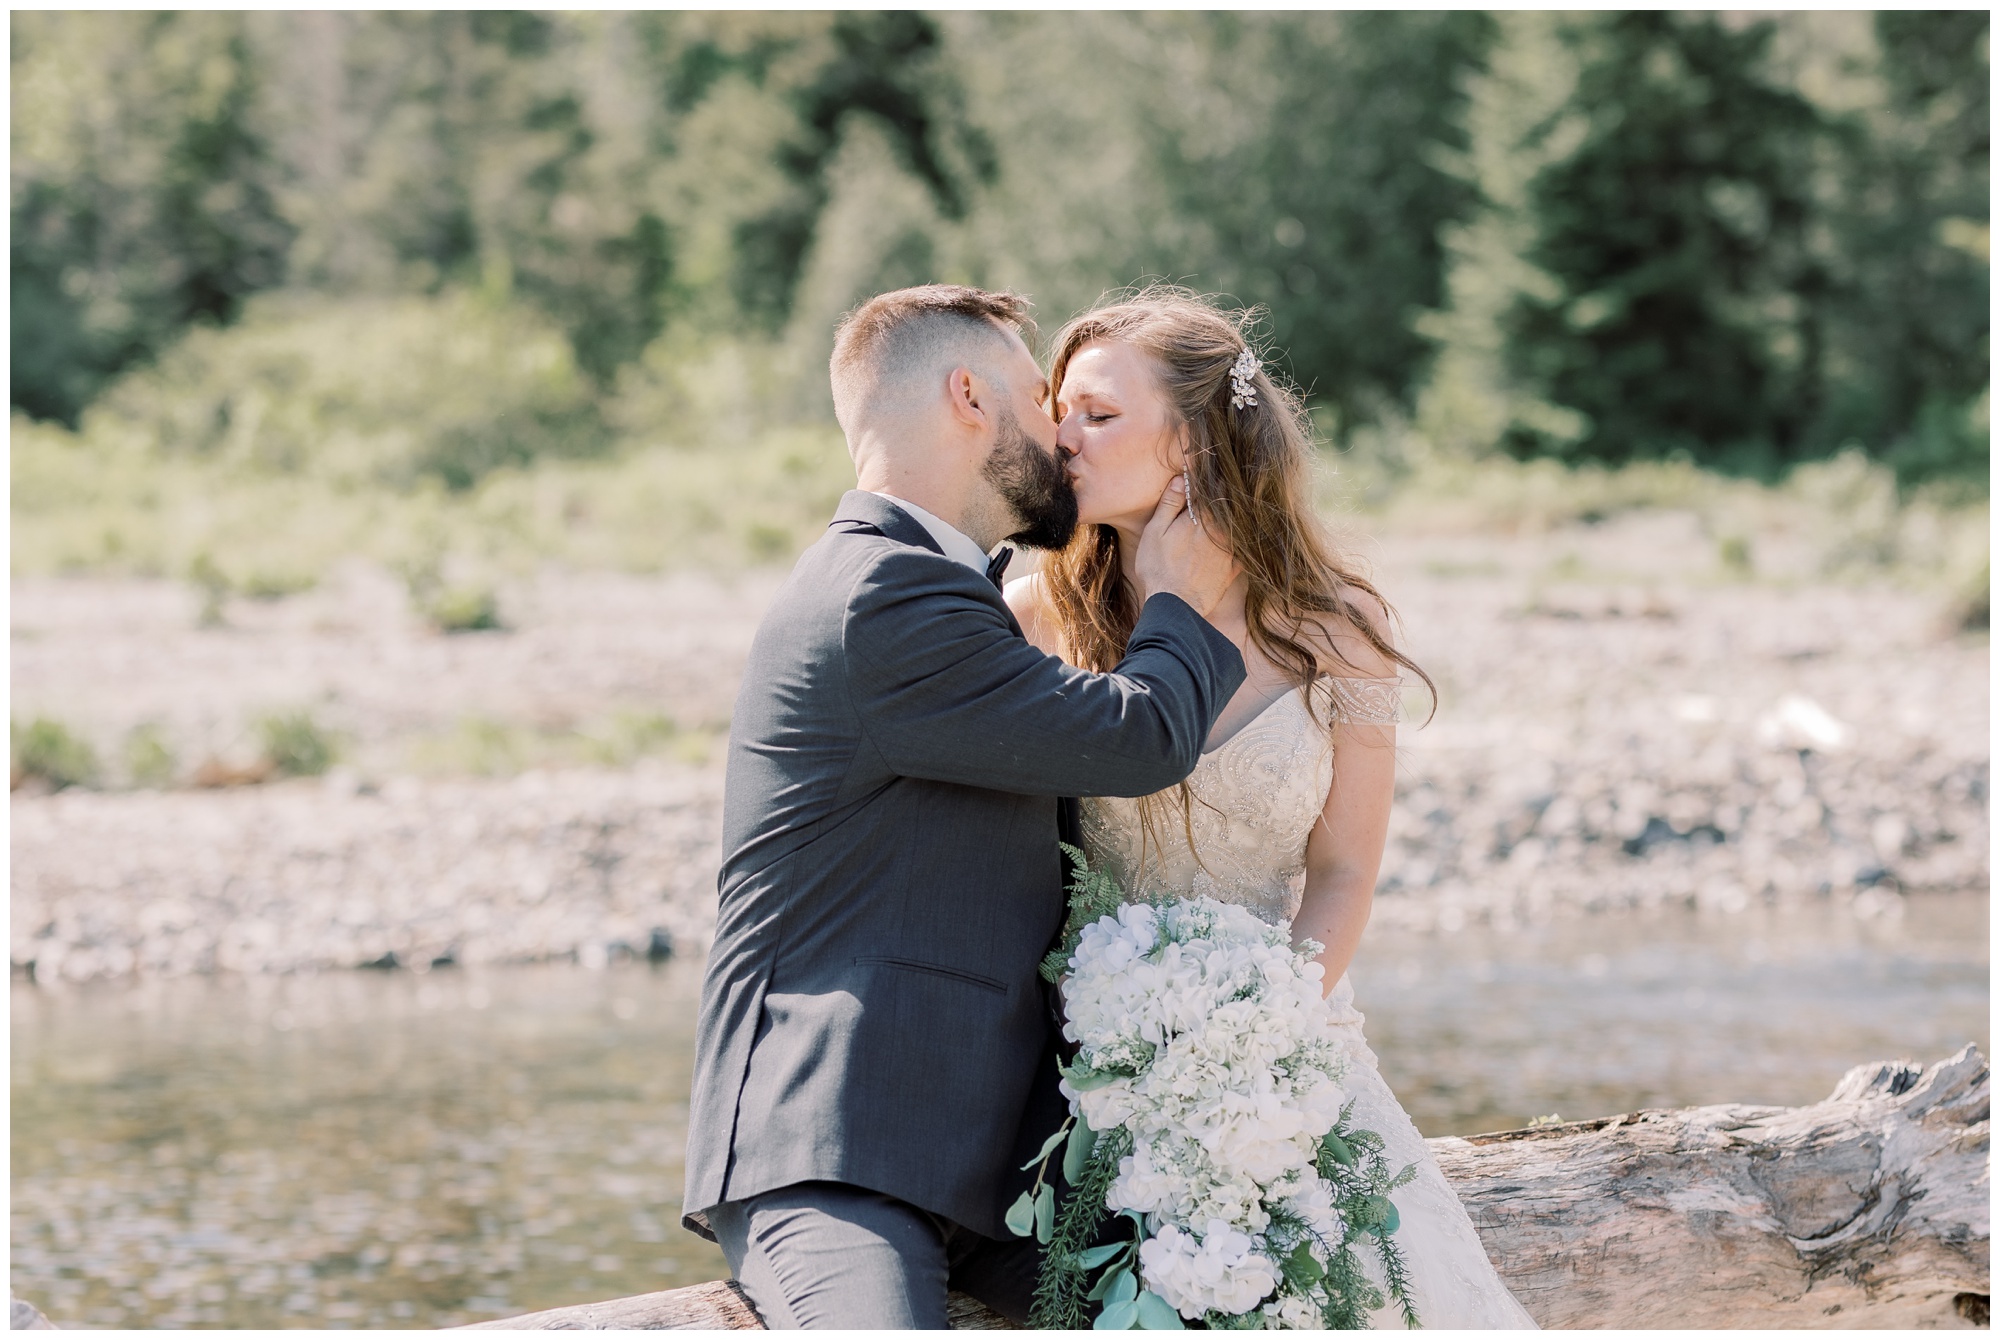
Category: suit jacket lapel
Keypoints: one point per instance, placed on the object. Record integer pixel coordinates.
(862, 510)
(872, 509)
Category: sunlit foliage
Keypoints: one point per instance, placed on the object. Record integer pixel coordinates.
(1747, 240)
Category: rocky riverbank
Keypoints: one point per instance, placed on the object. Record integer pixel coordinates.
(419, 873)
(1619, 726)
(1602, 748)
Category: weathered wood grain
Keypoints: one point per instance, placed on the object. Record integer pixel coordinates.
(25, 1316)
(716, 1306)
(1866, 1210)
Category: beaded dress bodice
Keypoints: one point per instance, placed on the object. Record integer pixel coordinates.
(1256, 797)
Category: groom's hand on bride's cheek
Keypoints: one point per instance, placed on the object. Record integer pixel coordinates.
(1180, 556)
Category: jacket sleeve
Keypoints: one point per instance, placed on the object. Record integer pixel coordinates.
(947, 689)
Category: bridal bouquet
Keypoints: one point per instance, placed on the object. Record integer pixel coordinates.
(1207, 1109)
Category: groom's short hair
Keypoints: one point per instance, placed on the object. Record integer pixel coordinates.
(895, 342)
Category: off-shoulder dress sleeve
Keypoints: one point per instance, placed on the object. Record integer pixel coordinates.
(1365, 702)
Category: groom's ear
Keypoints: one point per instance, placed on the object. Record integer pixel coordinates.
(966, 395)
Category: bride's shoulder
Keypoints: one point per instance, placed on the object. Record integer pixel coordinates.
(1349, 642)
(1025, 596)
(1028, 598)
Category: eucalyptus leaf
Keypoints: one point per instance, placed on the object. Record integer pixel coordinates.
(1117, 1317)
(1157, 1314)
(1083, 1080)
(1092, 1258)
(1301, 1269)
(1048, 1147)
(1124, 1288)
(1342, 1152)
(1045, 1214)
(1393, 1221)
(1021, 1215)
(1076, 1155)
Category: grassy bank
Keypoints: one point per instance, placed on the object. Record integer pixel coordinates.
(455, 441)
(82, 508)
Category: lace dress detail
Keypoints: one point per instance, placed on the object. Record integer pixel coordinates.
(1255, 799)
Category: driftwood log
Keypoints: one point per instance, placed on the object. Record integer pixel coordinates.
(1866, 1210)
(715, 1306)
(25, 1316)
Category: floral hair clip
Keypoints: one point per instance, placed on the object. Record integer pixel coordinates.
(1240, 379)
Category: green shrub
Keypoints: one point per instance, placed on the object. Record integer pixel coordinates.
(214, 586)
(365, 391)
(767, 542)
(465, 609)
(277, 583)
(46, 749)
(628, 736)
(149, 759)
(296, 745)
(481, 745)
(1973, 612)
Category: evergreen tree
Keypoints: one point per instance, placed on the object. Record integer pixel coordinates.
(1289, 161)
(885, 67)
(1909, 356)
(1514, 128)
(1329, 212)
(1689, 305)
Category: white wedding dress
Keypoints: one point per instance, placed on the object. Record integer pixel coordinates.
(1257, 796)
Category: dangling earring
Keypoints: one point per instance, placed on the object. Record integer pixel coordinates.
(1187, 487)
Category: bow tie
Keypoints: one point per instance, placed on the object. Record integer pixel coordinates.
(996, 566)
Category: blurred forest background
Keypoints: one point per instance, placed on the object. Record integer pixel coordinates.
(465, 292)
(414, 413)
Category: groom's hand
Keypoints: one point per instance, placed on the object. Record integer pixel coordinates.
(1179, 556)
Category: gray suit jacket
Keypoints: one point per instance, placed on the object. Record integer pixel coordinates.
(890, 877)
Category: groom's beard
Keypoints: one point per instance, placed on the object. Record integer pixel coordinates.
(1035, 485)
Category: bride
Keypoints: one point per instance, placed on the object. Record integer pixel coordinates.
(1288, 810)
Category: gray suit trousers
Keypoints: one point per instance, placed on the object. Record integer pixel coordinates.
(827, 1256)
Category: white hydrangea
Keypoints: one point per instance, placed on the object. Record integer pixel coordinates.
(1206, 1036)
(1222, 1270)
(1293, 1312)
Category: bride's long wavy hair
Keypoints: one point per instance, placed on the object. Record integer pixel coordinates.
(1250, 477)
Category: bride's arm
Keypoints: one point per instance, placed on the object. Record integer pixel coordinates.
(1345, 851)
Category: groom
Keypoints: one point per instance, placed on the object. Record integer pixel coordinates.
(872, 1024)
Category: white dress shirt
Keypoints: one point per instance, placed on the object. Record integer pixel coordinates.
(955, 542)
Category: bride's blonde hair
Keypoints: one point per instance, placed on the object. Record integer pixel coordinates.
(1250, 477)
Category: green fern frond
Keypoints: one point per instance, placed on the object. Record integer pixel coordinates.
(1092, 894)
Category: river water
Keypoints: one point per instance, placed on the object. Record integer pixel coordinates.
(392, 1150)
